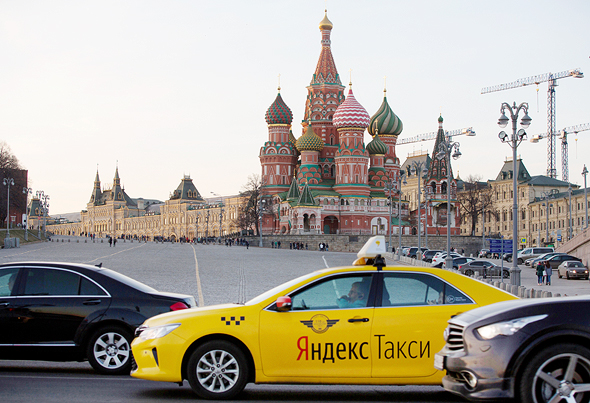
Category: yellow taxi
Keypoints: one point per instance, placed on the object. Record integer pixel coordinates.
(364, 324)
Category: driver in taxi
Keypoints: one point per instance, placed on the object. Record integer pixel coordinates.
(357, 296)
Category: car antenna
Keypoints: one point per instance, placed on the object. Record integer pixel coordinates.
(99, 265)
(379, 262)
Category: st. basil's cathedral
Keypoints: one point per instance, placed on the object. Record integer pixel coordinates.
(327, 181)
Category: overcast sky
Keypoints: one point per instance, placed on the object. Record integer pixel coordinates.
(169, 88)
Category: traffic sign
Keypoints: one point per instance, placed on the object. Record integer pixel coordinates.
(523, 241)
(500, 245)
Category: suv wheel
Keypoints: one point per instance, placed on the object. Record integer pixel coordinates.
(557, 373)
(109, 350)
(217, 370)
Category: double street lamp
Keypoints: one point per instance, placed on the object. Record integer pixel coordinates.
(390, 187)
(584, 173)
(417, 170)
(401, 178)
(8, 182)
(447, 149)
(514, 141)
(27, 191)
(547, 196)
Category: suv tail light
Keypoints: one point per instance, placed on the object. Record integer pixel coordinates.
(178, 306)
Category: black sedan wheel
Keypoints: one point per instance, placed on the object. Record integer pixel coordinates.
(557, 374)
(109, 351)
(217, 370)
(469, 272)
(506, 274)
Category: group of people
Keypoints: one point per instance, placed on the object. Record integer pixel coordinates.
(297, 245)
(323, 246)
(544, 272)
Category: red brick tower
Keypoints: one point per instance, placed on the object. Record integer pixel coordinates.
(324, 94)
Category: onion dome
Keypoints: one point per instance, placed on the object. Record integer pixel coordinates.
(292, 138)
(440, 119)
(385, 122)
(350, 113)
(279, 112)
(326, 23)
(376, 146)
(309, 141)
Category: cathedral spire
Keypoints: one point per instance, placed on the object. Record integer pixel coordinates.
(325, 71)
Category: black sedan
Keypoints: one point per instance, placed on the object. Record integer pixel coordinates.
(72, 312)
(532, 351)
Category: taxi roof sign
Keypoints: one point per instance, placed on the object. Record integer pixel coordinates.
(374, 246)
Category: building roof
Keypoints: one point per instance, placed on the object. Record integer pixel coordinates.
(385, 122)
(506, 171)
(351, 113)
(187, 191)
(278, 112)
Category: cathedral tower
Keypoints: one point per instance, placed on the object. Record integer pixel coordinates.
(278, 156)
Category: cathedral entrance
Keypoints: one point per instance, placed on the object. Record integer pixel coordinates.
(330, 225)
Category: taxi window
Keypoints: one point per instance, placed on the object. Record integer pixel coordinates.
(413, 289)
(337, 292)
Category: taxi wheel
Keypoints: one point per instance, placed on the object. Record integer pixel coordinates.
(558, 373)
(109, 351)
(217, 370)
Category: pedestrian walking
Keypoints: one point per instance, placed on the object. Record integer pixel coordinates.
(114, 242)
(110, 242)
(540, 274)
(548, 272)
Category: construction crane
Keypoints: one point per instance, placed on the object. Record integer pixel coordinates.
(564, 145)
(551, 78)
(468, 131)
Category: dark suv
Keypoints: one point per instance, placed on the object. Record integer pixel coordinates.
(71, 312)
(532, 351)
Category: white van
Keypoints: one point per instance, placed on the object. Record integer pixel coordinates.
(528, 253)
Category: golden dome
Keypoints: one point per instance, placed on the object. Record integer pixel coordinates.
(326, 23)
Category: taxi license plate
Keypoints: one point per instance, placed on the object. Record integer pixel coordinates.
(439, 362)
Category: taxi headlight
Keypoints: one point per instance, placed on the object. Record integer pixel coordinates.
(158, 331)
(507, 328)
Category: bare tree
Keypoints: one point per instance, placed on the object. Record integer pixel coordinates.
(250, 207)
(7, 159)
(475, 199)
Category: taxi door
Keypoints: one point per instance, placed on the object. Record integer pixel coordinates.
(408, 327)
(326, 334)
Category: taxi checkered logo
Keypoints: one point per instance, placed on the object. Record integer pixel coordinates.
(233, 319)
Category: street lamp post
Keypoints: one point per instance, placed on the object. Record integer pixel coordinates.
(570, 234)
(585, 172)
(8, 182)
(27, 191)
(207, 231)
(514, 141)
(427, 198)
(417, 170)
(446, 150)
(220, 218)
(197, 228)
(400, 179)
(547, 196)
(389, 187)
(261, 204)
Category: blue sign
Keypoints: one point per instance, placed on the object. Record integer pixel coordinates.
(500, 245)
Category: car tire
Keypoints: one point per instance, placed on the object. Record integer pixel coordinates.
(469, 272)
(109, 350)
(506, 274)
(567, 275)
(543, 377)
(519, 261)
(217, 370)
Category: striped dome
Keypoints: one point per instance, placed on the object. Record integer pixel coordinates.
(309, 141)
(385, 122)
(351, 114)
(279, 112)
(376, 146)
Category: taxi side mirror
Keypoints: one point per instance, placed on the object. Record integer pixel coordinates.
(284, 304)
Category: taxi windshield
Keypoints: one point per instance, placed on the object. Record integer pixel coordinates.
(277, 289)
